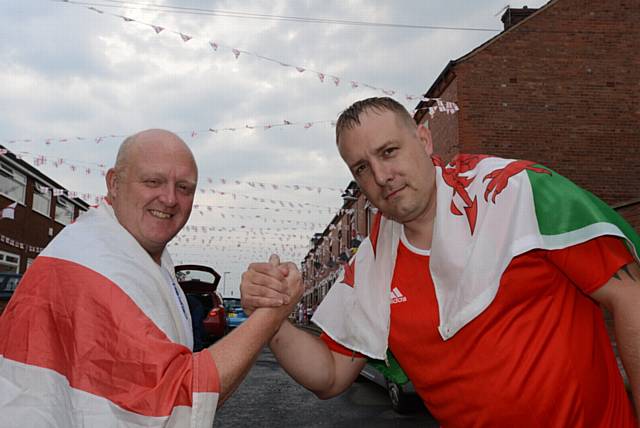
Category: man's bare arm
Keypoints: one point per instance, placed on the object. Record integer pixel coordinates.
(621, 296)
(308, 360)
(235, 353)
(305, 357)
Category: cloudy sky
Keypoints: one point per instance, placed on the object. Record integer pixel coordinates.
(74, 82)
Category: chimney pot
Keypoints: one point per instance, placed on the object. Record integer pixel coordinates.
(512, 16)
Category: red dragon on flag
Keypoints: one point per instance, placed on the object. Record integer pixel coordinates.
(452, 174)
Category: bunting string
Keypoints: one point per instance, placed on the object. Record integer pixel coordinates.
(255, 252)
(185, 134)
(246, 236)
(439, 105)
(20, 245)
(212, 232)
(241, 244)
(89, 168)
(302, 207)
(201, 227)
(216, 47)
(281, 205)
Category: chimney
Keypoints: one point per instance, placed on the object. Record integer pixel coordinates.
(512, 16)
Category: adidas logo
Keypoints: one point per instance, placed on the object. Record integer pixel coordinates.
(397, 296)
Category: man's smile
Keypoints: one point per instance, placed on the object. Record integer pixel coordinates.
(160, 214)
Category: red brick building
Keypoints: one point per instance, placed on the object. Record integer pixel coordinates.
(559, 86)
(42, 209)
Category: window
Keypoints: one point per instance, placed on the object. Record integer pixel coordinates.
(9, 262)
(9, 282)
(41, 200)
(12, 183)
(64, 211)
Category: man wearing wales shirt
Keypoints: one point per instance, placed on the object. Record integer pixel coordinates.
(483, 277)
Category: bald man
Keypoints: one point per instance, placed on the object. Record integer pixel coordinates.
(99, 334)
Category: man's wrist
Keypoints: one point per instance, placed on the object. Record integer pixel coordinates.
(280, 329)
(273, 316)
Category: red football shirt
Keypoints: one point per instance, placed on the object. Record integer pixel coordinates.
(539, 355)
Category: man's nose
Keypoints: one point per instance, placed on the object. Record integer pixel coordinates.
(168, 195)
(381, 173)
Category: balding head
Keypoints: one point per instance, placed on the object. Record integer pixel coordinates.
(149, 140)
(151, 187)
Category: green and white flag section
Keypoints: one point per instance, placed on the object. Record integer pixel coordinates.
(489, 210)
(94, 336)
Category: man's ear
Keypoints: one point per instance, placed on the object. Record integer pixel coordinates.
(424, 134)
(112, 182)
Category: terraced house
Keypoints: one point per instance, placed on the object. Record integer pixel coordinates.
(35, 208)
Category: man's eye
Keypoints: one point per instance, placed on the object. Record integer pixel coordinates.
(389, 151)
(359, 169)
(152, 182)
(185, 189)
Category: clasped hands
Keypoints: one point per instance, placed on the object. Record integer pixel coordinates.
(271, 285)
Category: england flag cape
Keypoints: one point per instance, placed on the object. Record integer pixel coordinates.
(488, 211)
(96, 336)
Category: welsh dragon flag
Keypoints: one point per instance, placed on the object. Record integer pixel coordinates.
(489, 210)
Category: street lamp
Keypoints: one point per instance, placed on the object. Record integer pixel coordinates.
(224, 283)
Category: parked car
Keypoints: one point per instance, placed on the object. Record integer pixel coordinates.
(403, 398)
(8, 284)
(200, 284)
(235, 313)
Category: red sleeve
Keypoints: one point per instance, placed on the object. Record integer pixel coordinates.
(591, 264)
(336, 347)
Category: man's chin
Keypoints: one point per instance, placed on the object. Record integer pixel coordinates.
(159, 241)
(392, 216)
(399, 217)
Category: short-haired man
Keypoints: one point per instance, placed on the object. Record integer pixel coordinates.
(98, 333)
(496, 269)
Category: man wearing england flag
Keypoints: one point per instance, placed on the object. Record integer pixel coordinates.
(496, 270)
(98, 334)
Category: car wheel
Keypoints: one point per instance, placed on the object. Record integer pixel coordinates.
(399, 401)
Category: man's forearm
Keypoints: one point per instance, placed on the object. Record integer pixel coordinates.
(627, 328)
(236, 352)
(309, 362)
(620, 295)
(626, 320)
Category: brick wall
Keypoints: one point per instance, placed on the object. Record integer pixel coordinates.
(561, 88)
(444, 127)
(631, 212)
(28, 227)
